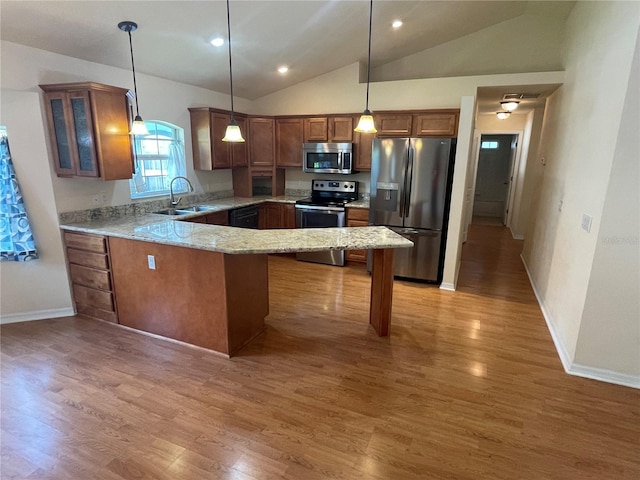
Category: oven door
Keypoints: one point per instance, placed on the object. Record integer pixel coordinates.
(310, 216)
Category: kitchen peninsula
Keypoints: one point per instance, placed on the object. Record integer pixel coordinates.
(207, 285)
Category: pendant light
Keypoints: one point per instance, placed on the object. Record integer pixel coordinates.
(366, 125)
(233, 133)
(138, 127)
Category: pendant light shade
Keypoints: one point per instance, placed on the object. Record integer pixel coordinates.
(366, 125)
(233, 133)
(138, 127)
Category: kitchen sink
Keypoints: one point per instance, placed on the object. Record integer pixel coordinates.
(173, 211)
(185, 210)
(195, 208)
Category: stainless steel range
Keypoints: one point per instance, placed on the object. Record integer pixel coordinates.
(325, 208)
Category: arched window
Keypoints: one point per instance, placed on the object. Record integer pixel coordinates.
(159, 157)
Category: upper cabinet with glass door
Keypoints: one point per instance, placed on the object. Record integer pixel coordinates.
(89, 130)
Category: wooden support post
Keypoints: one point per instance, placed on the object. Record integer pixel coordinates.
(381, 291)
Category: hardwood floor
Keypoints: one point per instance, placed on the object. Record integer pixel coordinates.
(468, 386)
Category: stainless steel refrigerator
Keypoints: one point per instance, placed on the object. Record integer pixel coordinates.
(410, 194)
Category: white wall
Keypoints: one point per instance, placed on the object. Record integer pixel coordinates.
(528, 43)
(611, 319)
(38, 288)
(579, 140)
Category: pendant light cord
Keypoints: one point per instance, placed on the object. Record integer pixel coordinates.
(369, 54)
(230, 70)
(133, 67)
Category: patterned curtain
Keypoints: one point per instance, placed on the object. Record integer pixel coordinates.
(16, 239)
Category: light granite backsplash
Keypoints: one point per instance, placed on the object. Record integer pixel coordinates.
(139, 208)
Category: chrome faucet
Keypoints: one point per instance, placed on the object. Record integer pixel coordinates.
(174, 202)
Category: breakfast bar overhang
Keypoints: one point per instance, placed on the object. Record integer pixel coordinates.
(209, 284)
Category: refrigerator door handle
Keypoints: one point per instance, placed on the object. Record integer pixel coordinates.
(408, 179)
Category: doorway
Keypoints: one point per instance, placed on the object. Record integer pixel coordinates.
(493, 179)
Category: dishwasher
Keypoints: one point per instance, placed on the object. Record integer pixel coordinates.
(244, 217)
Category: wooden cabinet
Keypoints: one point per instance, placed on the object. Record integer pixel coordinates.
(208, 127)
(315, 129)
(357, 217)
(261, 142)
(289, 140)
(214, 218)
(335, 129)
(90, 272)
(363, 143)
(435, 124)
(89, 130)
(341, 129)
(288, 215)
(276, 215)
(393, 124)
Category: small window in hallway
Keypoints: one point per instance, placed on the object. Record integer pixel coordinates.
(489, 145)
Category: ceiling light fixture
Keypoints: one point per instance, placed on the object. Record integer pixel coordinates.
(233, 133)
(503, 115)
(283, 69)
(137, 127)
(366, 124)
(396, 23)
(509, 105)
(217, 42)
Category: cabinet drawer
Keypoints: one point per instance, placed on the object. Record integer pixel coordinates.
(88, 259)
(361, 214)
(91, 311)
(357, 256)
(90, 277)
(82, 241)
(96, 298)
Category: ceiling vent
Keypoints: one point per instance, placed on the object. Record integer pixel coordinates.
(520, 96)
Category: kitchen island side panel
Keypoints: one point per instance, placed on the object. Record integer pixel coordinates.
(183, 298)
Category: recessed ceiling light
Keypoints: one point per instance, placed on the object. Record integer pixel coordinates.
(283, 69)
(217, 42)
(396, 23)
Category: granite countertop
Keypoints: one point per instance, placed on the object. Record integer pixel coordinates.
(158, 228)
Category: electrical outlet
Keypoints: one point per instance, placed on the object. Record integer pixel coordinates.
(586, 222)
(151, 261)
(560, 205)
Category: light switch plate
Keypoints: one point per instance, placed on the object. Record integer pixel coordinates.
(151, 261)
(586, 222)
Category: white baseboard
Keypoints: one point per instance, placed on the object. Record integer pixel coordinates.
(516, 236)
(37, 315)
(603, 375)
(448, 286)
(576, 369)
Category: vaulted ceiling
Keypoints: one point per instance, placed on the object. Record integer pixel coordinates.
(311, 37)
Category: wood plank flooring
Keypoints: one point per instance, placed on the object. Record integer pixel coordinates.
(468, 386)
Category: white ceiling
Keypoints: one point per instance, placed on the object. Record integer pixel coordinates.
(311, 37)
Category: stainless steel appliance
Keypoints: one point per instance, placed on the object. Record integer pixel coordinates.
(327, 157)
(410, 194)
(325, 208)
(244, 217)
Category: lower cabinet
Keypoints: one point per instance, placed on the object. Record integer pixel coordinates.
(215, 218)
(91, 278)
(277, 215)
(357, 217)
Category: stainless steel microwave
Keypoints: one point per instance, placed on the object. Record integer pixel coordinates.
(327, 157)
